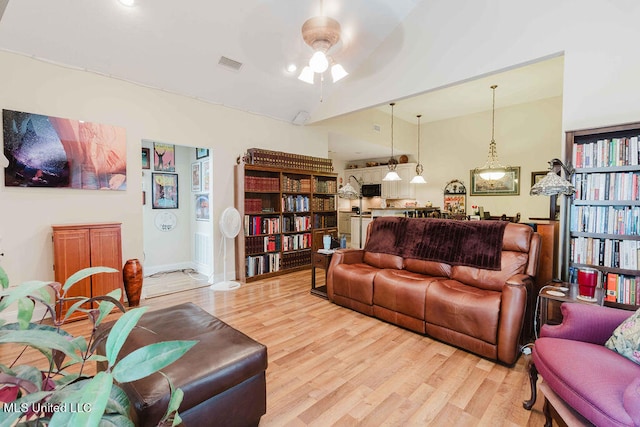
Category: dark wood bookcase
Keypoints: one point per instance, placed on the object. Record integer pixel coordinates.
(285, 212)
(604, 214)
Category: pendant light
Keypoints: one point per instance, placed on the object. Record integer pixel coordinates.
(492, 169)
(392, 175)
(418, 179)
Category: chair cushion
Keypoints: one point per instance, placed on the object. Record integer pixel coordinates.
(401, 291)
(626, 338)
(354, 281)
(575, 371)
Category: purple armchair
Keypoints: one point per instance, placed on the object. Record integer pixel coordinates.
(597, 383)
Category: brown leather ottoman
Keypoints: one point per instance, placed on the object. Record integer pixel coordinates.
(223, 376)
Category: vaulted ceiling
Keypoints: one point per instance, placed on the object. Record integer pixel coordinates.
(177, 47)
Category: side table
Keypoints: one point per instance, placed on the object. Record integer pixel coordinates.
(320, 260)
(552, 295)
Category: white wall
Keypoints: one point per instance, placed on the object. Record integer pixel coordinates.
(26, 214)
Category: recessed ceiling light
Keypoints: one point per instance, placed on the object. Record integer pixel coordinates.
(292, 68)
(127, 2)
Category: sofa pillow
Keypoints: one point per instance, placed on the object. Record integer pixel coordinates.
(626, 338)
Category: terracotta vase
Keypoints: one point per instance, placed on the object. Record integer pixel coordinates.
(132, 277)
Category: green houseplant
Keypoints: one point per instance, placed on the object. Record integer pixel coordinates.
(61, 394)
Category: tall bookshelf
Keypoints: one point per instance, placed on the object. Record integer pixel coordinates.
(604, 216)
(285, 212)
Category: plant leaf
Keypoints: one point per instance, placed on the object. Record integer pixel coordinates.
(118, 402)
(149, 359)
(25, 312)
(120, 331)
(115, 420)
(84, 273)
(76, 305)
(9, 415)
(105, 307)
(90, 402)
(14, 294)
(41, 340)
(4, 279)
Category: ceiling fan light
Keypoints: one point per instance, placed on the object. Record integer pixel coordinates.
(307, 75)
(338, 72)
(319, 62)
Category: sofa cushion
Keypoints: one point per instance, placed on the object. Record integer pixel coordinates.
(626, 338)
(430, 268)
(512, 263)
(574, 370)
(354, 281)
(401, 291)
(631, 400)
(381, 260)
(464, 309)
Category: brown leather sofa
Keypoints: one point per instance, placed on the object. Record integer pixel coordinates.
(480, 310)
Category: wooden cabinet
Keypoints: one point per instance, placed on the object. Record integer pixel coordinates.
(285, 214)
(400, 189)
(80, 246)
(549, 240)
(344, 222)
(604, 216)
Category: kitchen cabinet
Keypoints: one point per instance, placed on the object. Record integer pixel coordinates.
(400, 189)
(355, 230)
(344, 222)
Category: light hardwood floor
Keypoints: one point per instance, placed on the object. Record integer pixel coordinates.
(329, 365)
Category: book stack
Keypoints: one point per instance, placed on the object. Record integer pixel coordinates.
(323, 204)
(296, 185)
(296, 241)
(325, 221)
(260, 244)
(607, 186)
(605, 219)
(253, 205)
(260, 157)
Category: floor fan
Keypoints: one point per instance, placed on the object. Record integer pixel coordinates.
(229, 227)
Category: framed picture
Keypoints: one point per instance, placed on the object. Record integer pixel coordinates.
(146, 158)
(205, 175)
(537, 176)
(165, 191)
(508, 185)
(164, 157)
(196, 177)
(202, 207)
(202, 153)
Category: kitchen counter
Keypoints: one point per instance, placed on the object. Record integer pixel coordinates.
(406, 211)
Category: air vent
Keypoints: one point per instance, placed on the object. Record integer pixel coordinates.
(230, 63)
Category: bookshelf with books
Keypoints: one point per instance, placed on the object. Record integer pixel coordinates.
(286, 212)
(604, 213)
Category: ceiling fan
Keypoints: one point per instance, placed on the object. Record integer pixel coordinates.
(321, 33)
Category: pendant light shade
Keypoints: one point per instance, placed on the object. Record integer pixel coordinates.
(492, 169)
(392, 175)
(418, 179)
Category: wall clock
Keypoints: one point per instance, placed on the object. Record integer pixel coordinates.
(166, 221)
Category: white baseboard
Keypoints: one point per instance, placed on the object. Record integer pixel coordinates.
(11, 315)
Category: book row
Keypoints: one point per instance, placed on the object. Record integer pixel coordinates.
(261, 183)
(325, 221)
(607, 186)
(605, 252)
(296, 241)
(296, 259)
(325, 186)
(298, 185)
(262, 264)
(297, 203)
(259, 244)
(622, 289)
(259, 156)
(606, 153)
(323, 204)
(254, 225)
(623, 220)
(296, 223)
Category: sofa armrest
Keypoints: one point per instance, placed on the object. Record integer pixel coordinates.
(520, 279)
(586, 322)
(513, 308)
(342, 256)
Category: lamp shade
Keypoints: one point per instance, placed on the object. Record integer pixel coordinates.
(491, 174)
(392, 175)
(348, 192)
(319, 62)
(307, 75)
(552, 184)
(338, 72)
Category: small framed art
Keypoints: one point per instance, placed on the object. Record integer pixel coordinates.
(201, 153)
(164, 157)
(146, 158)
(508, 185)
(165, 191)
(196, 177)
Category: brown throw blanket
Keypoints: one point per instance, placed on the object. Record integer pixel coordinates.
(470, 243)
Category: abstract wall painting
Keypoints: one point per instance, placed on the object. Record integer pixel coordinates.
(46, 151)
